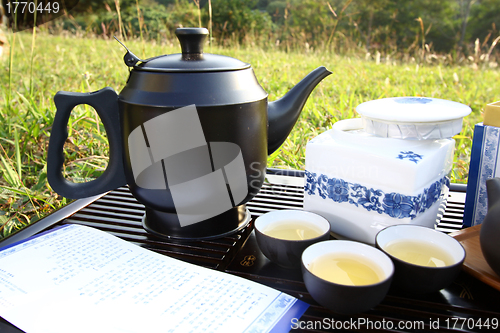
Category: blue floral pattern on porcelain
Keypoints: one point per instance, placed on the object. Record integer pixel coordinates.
(395, 205)
(414, 157)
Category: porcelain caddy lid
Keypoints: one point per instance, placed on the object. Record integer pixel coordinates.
(420, 118)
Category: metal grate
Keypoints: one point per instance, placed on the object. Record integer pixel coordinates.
(465, 300)
(452, 219)
(119, 213)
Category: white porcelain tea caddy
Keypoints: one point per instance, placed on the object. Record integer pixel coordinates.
(391, 166)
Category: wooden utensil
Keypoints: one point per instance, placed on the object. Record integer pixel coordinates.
(474, 263)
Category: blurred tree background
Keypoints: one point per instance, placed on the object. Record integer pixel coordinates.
(457, 38)
(391, 27)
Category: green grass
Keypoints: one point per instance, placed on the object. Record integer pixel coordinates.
(43, 65)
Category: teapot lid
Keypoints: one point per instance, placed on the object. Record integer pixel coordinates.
(413, 117)
(192, 58)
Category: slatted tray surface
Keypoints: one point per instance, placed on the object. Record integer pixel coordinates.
(466, 299)
(119, 213)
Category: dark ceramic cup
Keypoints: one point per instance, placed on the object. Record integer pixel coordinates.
(343, 298)
(285, 252)
(420, 279)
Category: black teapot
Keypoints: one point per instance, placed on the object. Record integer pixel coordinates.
(189, 133)
(489, 236)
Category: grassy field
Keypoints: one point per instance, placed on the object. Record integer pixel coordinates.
(41, 65)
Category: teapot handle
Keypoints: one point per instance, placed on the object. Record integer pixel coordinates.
(105, 102)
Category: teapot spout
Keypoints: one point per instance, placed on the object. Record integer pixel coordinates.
(284, 112)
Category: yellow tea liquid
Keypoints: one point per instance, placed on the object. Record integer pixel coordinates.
(346, 269)
(419, 253)
(292, 230)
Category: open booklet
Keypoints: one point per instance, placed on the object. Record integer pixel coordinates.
(80, 279)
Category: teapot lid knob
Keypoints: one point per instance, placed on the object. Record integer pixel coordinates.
(191, 40)
(192, 59)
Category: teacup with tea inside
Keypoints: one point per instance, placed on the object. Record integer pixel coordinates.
(346, 276)
(419, 252)
(347, 269)
(425, 260)
(293, 230)
(283, 235)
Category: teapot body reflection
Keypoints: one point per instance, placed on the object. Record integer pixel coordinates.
(490, 227)
(189, 133)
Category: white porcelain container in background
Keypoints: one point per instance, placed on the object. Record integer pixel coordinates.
(390, 166)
